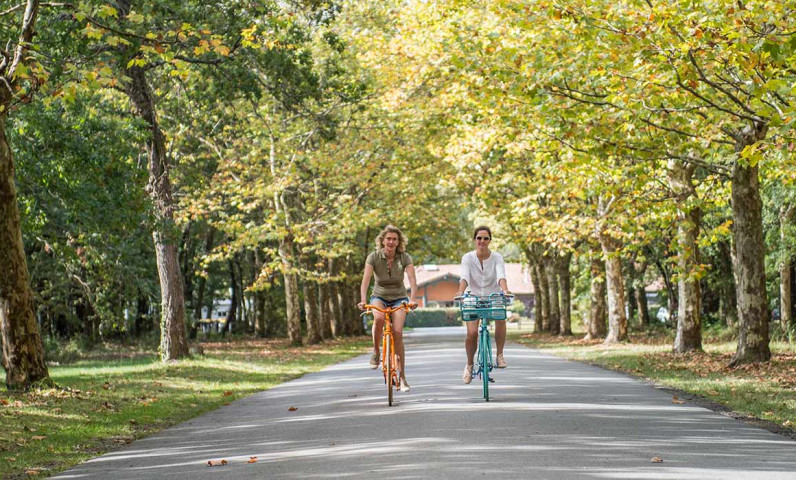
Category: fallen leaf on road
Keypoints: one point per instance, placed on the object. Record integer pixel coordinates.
(677, 401)
(38, 437)
(252, 460)
(292, 409)
(712, 392)
(656, 460)
(787, 423)
(216, 463)
(227, 393)
(33, 471)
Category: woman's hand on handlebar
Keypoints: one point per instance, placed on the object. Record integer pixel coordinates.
(361, 306)
(413, 305)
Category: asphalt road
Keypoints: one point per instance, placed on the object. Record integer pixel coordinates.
(547, 418)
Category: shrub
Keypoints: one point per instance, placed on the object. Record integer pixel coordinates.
(433, 317)
(58, 351)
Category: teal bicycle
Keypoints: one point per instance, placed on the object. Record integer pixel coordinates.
(484, 309)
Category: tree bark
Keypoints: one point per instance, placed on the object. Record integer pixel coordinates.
(173, 342)
(544, 296)
(617, 320)
(564, 293)
(291, 290)
(640, 267)
(785, 268)
(186, 256)
(689, 295)
(259, 298)
(753, 335)
(22, 349)
(598, 311)
(325, 312)
(670, 291)
(533, 267)
(232, 312)
(552, 285)
(338, 328)
(311, 310)
(200, 296)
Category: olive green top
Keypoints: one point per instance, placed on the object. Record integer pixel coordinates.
(389, 281)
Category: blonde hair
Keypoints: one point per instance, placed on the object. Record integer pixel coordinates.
(401, 248)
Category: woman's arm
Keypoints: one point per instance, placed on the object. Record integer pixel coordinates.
(363, 288)
(465, 274)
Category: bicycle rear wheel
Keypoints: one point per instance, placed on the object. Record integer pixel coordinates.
(485, 362)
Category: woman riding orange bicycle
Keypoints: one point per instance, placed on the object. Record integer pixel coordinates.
(387, 265)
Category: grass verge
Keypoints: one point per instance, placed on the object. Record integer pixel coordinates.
(112, 398)
(761, 393)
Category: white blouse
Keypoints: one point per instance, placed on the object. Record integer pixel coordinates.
(483, 281)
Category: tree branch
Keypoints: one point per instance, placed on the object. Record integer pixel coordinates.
(25, 35)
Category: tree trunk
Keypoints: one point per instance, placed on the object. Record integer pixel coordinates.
(785, 268)
(533, 267)
(232, 313)
(728, 304)
(23, 352)
(544, 296)
(753, 335)
(617, 321)
(552, 285)
(291, 290)
(630, 294)
(197, 309)
(325, 313)
(186, 255)
(564, 293)
(598, 310)
(260, 328)
(640, 267)
(338, 329)
(173, 343)
(199, 303)
(311, 309)
(689, 220)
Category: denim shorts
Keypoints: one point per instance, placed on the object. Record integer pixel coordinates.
(389, 303)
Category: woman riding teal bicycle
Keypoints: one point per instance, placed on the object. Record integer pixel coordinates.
(483, 273)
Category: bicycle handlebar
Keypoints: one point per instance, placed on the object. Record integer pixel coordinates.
(403, 306)
(468, 294)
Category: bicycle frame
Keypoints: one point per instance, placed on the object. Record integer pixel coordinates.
(389, 365)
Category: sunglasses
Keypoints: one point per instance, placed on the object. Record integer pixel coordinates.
(484, 239)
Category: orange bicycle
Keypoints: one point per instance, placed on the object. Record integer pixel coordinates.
(389, 362)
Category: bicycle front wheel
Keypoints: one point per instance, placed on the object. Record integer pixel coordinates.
(485, 354)
(389, 371)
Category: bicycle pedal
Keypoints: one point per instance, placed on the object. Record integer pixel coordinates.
(491, 380)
